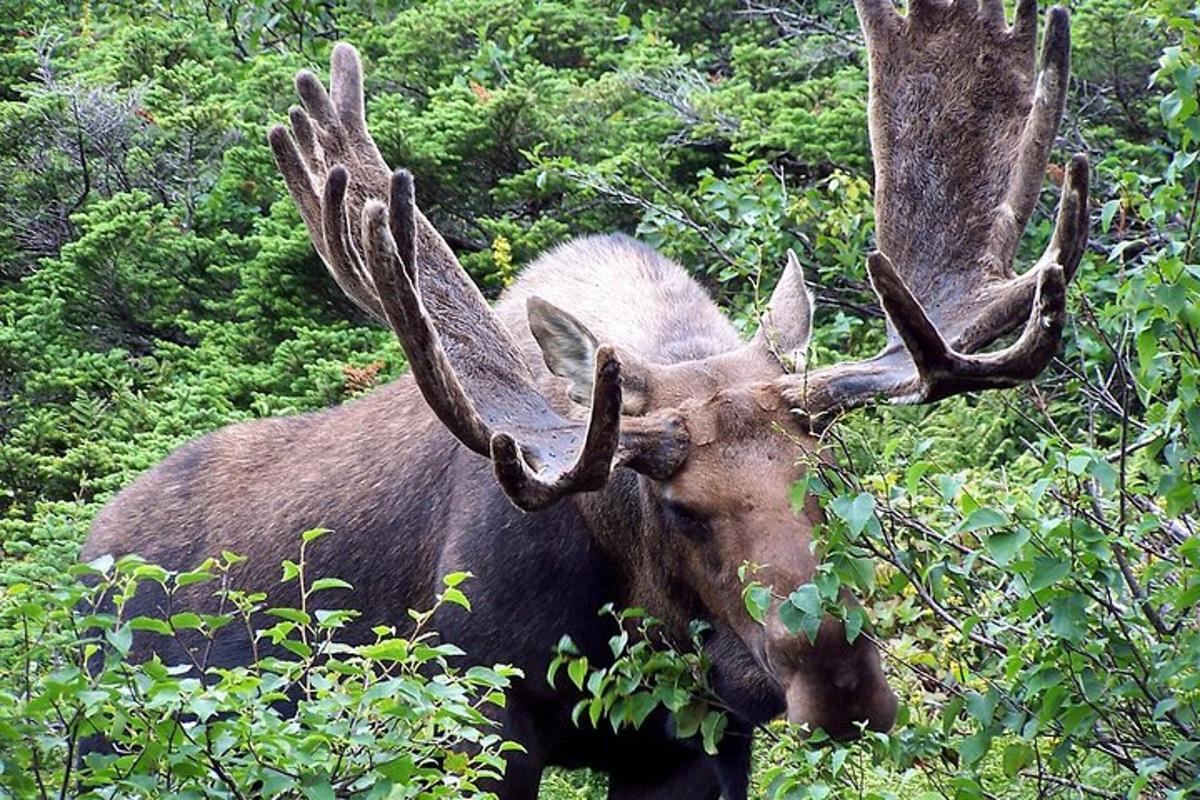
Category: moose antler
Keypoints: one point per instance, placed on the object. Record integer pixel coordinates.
(961, 130)
(465, 362)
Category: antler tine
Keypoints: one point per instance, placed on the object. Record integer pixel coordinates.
(940, 370)
(296, 176)
(1066, 248)
(929, 368)
(342, 256)
(402, 220)
(992, 12)
(347, 86)
(1069, 241)
(1024, 27)
(326, 229)
(395, 279)
(1037, 137)
(306, 138)
(877, 17)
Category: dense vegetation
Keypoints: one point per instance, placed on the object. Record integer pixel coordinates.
(1030, 559)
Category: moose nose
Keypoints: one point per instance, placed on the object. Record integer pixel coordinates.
(847, 682)
(842, 714)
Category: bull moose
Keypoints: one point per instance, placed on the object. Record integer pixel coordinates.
(603, 435)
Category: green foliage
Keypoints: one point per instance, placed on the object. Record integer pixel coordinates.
(647, 672)
(388, 719)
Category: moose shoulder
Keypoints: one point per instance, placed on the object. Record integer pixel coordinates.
(603, 435)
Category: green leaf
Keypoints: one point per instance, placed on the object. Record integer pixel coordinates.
(203, 707)
(595, 709)
(291, 615)
(452, 595)
(1163, 707)
(856, 513)
(297, 647)
(1004, 547)
(803, 611)
(855, 619)
(689, 718)
(1016, 756)
(313, 534)
(949, 486)
(1069, 616)
(1107, 213)
(975, 747)
(452, 579)
(186, 620)
(577, 671)
(103, 564)
(913, 475)
(1047, 571)
(1171, 106)
(188, 578)
(757, 599)
(712, 729)
(151, 572)
(982, 706)
(319, 789)
(150, 624)
(387, 650)
(640, 707)
(121, 639)
(982, 518)
(321, 584)
(398, 770)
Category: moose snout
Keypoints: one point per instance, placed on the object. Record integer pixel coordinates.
(841, 713)
(834, 684)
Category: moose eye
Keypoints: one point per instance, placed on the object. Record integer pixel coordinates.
(686, 520)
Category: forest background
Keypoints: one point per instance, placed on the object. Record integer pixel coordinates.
(1031, 558)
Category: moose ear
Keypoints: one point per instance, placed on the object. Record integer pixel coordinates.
(569, 350)
(787, 325)
(568, 347)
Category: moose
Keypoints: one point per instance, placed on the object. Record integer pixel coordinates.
(603, 435)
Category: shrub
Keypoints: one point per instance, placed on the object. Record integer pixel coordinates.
(392, 718)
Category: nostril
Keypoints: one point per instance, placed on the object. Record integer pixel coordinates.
(846, 682)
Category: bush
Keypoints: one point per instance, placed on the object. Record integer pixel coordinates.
(392, 718)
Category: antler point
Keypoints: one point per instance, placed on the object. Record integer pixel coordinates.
(608, 363)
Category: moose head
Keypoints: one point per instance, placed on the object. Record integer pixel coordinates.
(684, 465)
